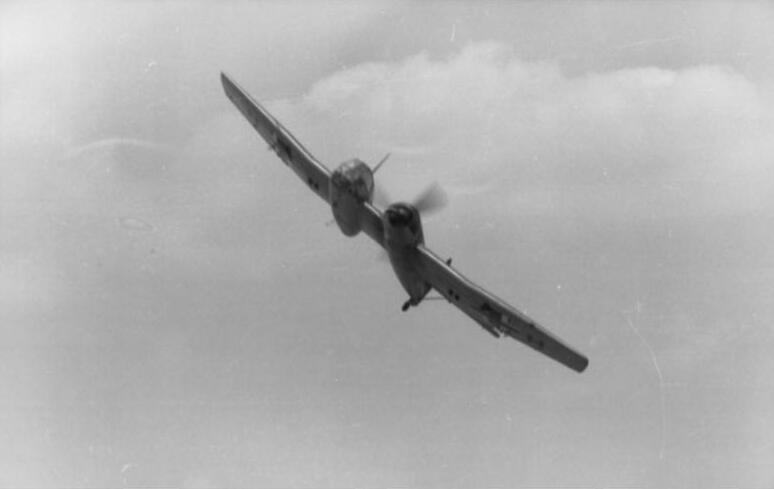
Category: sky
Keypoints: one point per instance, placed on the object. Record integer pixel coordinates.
(174, 310)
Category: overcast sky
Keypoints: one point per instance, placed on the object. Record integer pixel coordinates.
(175, 312)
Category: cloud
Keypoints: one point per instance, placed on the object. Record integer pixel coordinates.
(632, 142)
(161, 259)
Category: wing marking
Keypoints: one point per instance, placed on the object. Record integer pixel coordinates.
(280, 140)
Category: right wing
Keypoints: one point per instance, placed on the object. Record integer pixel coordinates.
(311, 171)
(492, 313)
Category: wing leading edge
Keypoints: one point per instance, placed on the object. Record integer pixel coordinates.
(492, 313)
(280, 140)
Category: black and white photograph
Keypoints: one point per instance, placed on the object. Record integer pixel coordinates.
(374, 244)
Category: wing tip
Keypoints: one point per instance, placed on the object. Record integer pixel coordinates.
(581, 364)
(226, 81)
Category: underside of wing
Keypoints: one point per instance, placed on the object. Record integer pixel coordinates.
(493, 314)
(280, 140)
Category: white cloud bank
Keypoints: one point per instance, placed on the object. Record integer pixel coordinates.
(633, 142)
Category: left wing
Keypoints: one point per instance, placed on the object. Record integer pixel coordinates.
(311, 171)
(301, 161)
(492, 313)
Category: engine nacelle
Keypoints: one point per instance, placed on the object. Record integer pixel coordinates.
(352, 183)
(402, 226)
(402, 233)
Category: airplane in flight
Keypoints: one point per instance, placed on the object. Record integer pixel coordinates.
(349, 190)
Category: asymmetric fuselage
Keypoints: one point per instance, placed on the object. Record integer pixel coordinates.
(352, 184)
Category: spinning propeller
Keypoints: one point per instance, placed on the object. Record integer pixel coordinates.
(432, 199)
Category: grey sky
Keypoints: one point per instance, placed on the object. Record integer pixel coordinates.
(174, 311)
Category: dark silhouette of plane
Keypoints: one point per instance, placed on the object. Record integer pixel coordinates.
(349, 190)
